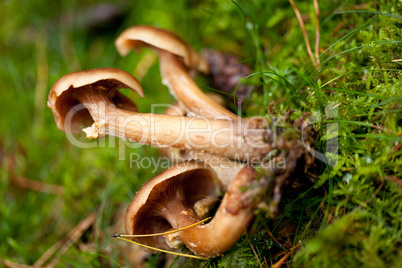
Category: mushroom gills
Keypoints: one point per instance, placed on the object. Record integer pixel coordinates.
(169, 201)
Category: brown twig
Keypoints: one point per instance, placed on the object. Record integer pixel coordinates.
(347, 169)
(36, 185)
(337, 28)
(11, 264)
(396, 148)
(301, 23)
(66, 242)
(328, 214)
(273, 237)
(279, 263)
(265, 262)
(395, 179)
(283, 252)
(30, 184)
(255, 253)
(382, 128)
(359, 6)
(372, 196)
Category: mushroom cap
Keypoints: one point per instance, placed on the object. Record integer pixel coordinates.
(144, 213)
(63, 94)
(144, 35)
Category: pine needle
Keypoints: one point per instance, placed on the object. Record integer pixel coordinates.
(164, 233)
(122, 237)
(164, 251)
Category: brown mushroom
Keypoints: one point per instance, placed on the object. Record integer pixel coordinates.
(167, 201)
(226, 169)
(172, 52)
(95, 93)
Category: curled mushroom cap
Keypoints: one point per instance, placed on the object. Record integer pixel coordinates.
(179, 197)
(172, 52)
(181, 185)
(138, 36)
(64, 94)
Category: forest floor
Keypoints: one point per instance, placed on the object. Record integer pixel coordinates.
(60, 203)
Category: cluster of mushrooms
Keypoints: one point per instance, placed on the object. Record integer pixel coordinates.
(214, 151)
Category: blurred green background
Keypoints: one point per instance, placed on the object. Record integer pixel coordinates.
(352, 215)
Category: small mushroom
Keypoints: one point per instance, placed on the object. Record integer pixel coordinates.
(168, 201)
(176, 57)
(83, 97)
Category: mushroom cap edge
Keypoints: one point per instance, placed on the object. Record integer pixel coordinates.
(138, 36)
(87, 77)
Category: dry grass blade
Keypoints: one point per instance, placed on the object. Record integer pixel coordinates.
(64, 244)
(67, 47)
(301, 23)
(144, 64)
(42, 76)
(317, 31)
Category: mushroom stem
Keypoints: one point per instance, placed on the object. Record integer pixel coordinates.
(225, 168)
(234, 139)
(226, 227)
(178, 215)
(176, 77)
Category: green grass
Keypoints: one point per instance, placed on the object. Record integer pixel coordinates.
(351, 216)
